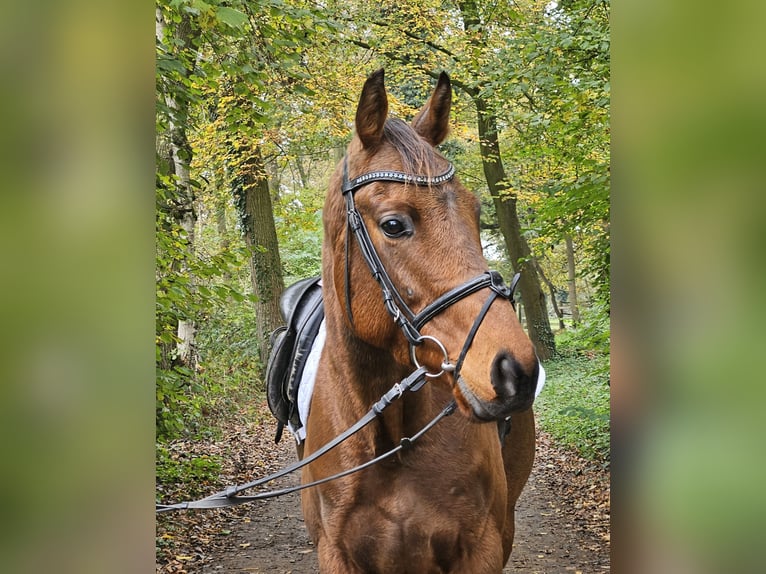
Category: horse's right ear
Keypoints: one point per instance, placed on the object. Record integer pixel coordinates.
(372, 111)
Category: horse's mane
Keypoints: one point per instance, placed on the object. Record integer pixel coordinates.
(416, 154)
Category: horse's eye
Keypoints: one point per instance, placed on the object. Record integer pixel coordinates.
(394, 227)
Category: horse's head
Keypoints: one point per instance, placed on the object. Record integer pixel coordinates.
(425, 235)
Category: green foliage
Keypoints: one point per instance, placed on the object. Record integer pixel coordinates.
(298, 219)
(574, 405)
(194, 473)
(230, 367)
(190, 285)
(591, 336)
(553, 87)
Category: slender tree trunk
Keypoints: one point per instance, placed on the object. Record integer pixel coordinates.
(274, 178)
(301, 171)
(183, 205)
(571, 281)
(222, 227)
(532, 296)
(261, 239)
(552, 291)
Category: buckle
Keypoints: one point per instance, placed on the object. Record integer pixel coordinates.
(498, 285)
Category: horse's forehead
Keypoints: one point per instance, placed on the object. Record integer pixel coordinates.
(415, 160)
(385, 157)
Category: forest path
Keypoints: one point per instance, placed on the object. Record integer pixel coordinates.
(562, 518)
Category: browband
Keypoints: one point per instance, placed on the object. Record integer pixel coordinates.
(393, 176)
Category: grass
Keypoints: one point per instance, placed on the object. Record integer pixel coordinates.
(574, 405)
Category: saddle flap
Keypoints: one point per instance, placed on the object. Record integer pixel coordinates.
(296, 296)
(301, 307)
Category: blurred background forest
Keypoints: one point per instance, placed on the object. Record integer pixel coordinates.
(686, 123)
(254, 107)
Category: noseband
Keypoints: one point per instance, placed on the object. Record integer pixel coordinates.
(408, 321)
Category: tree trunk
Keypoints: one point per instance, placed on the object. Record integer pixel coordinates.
(274, 178)
(571, 276)
(301, 171)
(261, 238)
(183, 200)
(223, 232)
(552, 291)
(532, 296)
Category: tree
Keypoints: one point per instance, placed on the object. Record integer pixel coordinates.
(571, 281)
(206, 49)
(252, 194)
(178, 42)
(552, 291)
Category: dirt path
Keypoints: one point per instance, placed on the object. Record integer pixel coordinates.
(562, 523)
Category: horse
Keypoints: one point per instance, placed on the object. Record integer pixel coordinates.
(447, 503)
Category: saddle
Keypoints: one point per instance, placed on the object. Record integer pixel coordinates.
(302, 310)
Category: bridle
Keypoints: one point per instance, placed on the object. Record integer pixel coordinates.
(405, 318)
(408, 321)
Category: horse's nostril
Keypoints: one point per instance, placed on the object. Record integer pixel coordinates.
(509, 368)
(508, 375)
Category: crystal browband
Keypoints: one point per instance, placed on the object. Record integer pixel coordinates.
(397, 177)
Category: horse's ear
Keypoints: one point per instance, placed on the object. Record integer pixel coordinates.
(372, 111)
(432, 122)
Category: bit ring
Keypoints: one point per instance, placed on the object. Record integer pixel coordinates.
(446, 366)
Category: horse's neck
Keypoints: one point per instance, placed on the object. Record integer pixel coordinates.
(368, 373)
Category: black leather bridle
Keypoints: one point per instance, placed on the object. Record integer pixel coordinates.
(405, 318)
(408, 321)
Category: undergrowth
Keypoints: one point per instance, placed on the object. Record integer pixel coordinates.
(181, 473)
(225, 387)
(574, 405)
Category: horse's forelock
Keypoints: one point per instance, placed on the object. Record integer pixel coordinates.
(417, 155)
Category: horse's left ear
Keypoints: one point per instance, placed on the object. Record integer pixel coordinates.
(432, 122)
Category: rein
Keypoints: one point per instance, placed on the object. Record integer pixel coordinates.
(229, 497)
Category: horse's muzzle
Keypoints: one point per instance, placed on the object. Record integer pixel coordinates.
(513, 385)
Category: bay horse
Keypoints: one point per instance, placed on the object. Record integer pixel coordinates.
(447, 503)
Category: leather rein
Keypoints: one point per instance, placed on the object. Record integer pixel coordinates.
(405, 318)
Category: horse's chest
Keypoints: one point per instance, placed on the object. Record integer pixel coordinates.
(405, 528)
